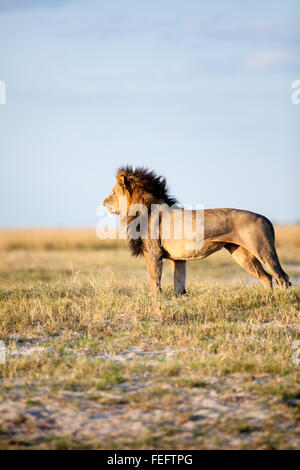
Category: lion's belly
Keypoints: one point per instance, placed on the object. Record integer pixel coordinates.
(183, 250)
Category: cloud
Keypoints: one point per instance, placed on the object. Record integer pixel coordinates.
(270, 59)
(274, 33)
(6, 5)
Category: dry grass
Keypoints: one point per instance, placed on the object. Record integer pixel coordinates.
(94, 362)
(85, 238)
(53, 239)
(288, 235)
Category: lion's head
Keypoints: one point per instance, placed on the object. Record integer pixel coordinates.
(112, 202)
(141, 186)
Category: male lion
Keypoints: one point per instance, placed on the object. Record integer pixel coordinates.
(249, 237)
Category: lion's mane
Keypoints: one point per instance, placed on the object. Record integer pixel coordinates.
(144, 187)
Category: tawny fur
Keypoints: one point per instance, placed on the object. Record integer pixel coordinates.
(249, 237)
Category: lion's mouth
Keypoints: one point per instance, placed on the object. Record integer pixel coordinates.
(111, 210)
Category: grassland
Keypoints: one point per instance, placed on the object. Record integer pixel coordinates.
(93, 362)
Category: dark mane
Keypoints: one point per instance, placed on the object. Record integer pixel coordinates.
(150, 187)
(147, 188)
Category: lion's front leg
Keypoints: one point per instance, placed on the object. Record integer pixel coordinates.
(179, 270)
(154, 265)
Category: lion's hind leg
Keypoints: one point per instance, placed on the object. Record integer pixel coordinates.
(267, 255)
(250, 263)
(262, 245)
(271, 262)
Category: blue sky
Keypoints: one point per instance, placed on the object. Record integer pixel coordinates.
(199, 91)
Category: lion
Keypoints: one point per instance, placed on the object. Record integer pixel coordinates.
(249, 237)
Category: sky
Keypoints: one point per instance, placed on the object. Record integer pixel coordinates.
(199, 91)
